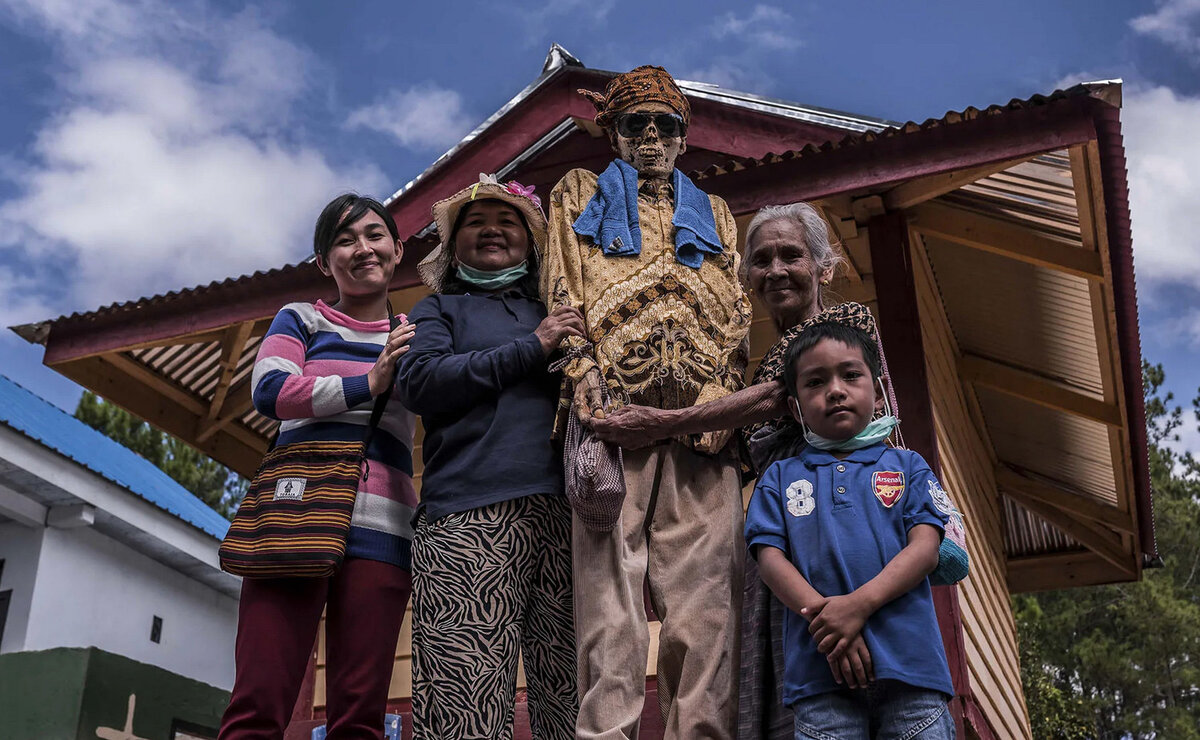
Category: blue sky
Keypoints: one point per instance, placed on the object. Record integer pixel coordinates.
(147, 146)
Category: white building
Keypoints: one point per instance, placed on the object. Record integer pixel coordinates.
(100, 548)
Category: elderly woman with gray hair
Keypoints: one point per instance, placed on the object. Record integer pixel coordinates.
(790, 258)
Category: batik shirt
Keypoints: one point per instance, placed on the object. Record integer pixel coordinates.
(663, 334)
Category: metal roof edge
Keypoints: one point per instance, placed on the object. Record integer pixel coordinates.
(1115, 181)
(185, 496)
(787, 109)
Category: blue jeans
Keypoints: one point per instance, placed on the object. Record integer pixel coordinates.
(887, 710)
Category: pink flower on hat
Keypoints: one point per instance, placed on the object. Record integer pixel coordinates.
(526, 191)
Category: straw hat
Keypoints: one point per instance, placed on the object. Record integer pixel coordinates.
(434, 268)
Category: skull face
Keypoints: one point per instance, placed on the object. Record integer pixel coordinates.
(650, 153)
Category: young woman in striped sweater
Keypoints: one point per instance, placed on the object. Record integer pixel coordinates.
(319, 370)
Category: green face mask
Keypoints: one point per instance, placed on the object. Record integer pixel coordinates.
(877, 431)
(492, 280)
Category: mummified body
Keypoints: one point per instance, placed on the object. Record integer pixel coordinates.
(651, 262)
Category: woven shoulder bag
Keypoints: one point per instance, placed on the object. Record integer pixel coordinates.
(295, 517)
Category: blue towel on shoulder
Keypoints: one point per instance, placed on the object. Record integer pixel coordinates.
(611, 218)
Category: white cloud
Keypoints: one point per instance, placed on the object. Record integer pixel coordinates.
(729, 73)
(23, 301)
(162, 166)
(423, 118)
(538, 18)
(1174, 23)
(1163, 154)
(733, 52)
(766, 27)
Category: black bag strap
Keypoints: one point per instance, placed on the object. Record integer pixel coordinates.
(381, 402)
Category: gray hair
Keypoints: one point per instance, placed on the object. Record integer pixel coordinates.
(818, 239)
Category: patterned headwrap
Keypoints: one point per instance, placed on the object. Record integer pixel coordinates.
(645, 84)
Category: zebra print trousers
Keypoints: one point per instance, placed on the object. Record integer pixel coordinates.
(489, 584)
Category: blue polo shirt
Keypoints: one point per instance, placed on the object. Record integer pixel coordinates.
(840, 522)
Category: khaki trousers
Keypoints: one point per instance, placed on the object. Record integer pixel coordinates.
(681, 530)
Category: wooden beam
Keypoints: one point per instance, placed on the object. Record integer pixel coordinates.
(1061, 570)
(1103, 542)
(1037, 389)
(1085, 175)
(900, 328)
(1062, 498)
(195, 406)
(929, 187)
(989, 234)
(232, 346)
(236, 447)
(237, 403)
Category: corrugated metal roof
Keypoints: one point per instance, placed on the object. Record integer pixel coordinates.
(1019, 314)
(878, 128)
(49, 425)
(1054, 444)
(559, 58)
(1036, 319)
(196, 367)
(1103, 89)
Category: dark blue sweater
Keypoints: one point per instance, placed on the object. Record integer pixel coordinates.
(477, 376)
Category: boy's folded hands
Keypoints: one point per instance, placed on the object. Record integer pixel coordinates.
(835, 621)
(853, 667)
(836, 624)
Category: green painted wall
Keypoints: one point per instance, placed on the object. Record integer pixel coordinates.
(40, 694)
(67, 694)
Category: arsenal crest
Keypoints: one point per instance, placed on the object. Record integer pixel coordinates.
(888, 486)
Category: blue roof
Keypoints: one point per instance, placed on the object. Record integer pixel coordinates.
(43, 421)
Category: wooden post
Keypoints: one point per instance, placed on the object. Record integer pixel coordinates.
(900, 330)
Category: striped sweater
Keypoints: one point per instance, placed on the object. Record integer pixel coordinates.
(311, 374)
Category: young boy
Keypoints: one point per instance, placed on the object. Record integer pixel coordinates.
(846, 534)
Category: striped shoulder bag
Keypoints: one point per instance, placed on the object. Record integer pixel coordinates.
(295, 517)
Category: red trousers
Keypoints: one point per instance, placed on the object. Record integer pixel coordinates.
(277, 625)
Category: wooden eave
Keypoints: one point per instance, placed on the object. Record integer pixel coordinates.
(182, 361)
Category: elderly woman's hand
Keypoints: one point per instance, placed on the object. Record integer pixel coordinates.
(631, 427)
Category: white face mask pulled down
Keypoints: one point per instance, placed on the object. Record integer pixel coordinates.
(878, 430)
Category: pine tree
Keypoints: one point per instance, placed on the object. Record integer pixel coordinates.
(210, 481)
(1123, 661)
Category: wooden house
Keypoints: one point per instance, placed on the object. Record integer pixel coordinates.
(994, 246)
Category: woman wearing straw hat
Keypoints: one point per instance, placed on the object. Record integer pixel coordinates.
(492, 549)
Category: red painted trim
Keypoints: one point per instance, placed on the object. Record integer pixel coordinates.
(900, 329)
(978, 721)
(512, 134)
(205, 309)
(1120, 249)
(173, 316)
(945, 602)
(861, 165)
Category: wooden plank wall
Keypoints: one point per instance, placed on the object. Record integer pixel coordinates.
(967, 462)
